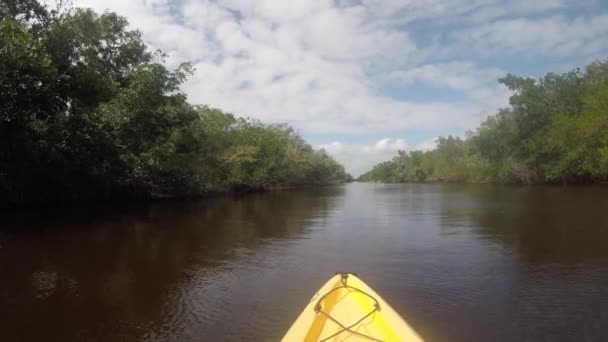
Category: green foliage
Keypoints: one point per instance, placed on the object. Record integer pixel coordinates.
(89, 113)
(553, 132)
(262, 156)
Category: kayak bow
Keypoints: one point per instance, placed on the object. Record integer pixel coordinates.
(345, 308)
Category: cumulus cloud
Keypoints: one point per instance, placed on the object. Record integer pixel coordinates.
(451, 11)
(302, 62)
(478, 84)
(551, 35)
(456, 75)
(359, 158)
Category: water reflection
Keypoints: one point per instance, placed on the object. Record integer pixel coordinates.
(460, 262)
(542, 224)
(553, 240)
(119, 274)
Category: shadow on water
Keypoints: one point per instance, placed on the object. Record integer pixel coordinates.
(541, 224)
(118, 273)
(554, 240)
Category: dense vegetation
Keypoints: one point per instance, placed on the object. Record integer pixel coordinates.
(87, 112)
(555, 131)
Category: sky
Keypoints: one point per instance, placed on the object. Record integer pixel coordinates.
(365, 78)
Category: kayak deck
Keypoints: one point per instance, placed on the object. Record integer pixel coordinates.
(346, 309)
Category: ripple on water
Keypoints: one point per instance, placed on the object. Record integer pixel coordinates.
(462, 263)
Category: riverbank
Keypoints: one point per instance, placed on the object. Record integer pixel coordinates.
(117, 125)
(135, 200)
(490, 182)
(553, 132)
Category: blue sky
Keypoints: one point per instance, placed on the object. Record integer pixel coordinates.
(364, 78)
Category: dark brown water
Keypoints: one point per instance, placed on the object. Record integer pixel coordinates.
(461, 263)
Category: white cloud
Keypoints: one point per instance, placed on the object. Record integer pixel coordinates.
(554, 35)
(450, 11)
(455, 75)
(359, 158)
(303, 62)
(478, 84)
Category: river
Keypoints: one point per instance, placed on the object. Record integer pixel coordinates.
(459, 262)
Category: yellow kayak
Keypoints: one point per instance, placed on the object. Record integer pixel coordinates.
(346, 309)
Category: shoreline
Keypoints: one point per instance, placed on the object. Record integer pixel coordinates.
(601, 184)
(157, 198)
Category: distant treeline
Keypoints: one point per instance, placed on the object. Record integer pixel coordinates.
(87, 112)
(555, 131)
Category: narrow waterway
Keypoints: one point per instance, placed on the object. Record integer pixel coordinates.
(459, 262)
